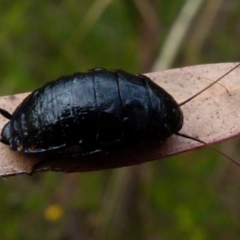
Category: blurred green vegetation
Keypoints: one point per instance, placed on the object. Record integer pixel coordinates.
(192, 196)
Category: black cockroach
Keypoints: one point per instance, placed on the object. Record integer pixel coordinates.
(90, 111)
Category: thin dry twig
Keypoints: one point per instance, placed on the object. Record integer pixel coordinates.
(176, 35)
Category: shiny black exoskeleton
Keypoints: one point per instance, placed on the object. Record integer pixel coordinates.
(92, 110)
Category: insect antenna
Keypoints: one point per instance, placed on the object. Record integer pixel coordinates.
(210, 85)
(199, 140)
(209, 145)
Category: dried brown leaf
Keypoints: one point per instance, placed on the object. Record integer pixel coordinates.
(213, 116)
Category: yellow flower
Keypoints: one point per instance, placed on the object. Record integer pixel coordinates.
(54, 212)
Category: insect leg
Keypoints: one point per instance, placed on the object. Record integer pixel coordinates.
(217, 84)
(5, 114)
